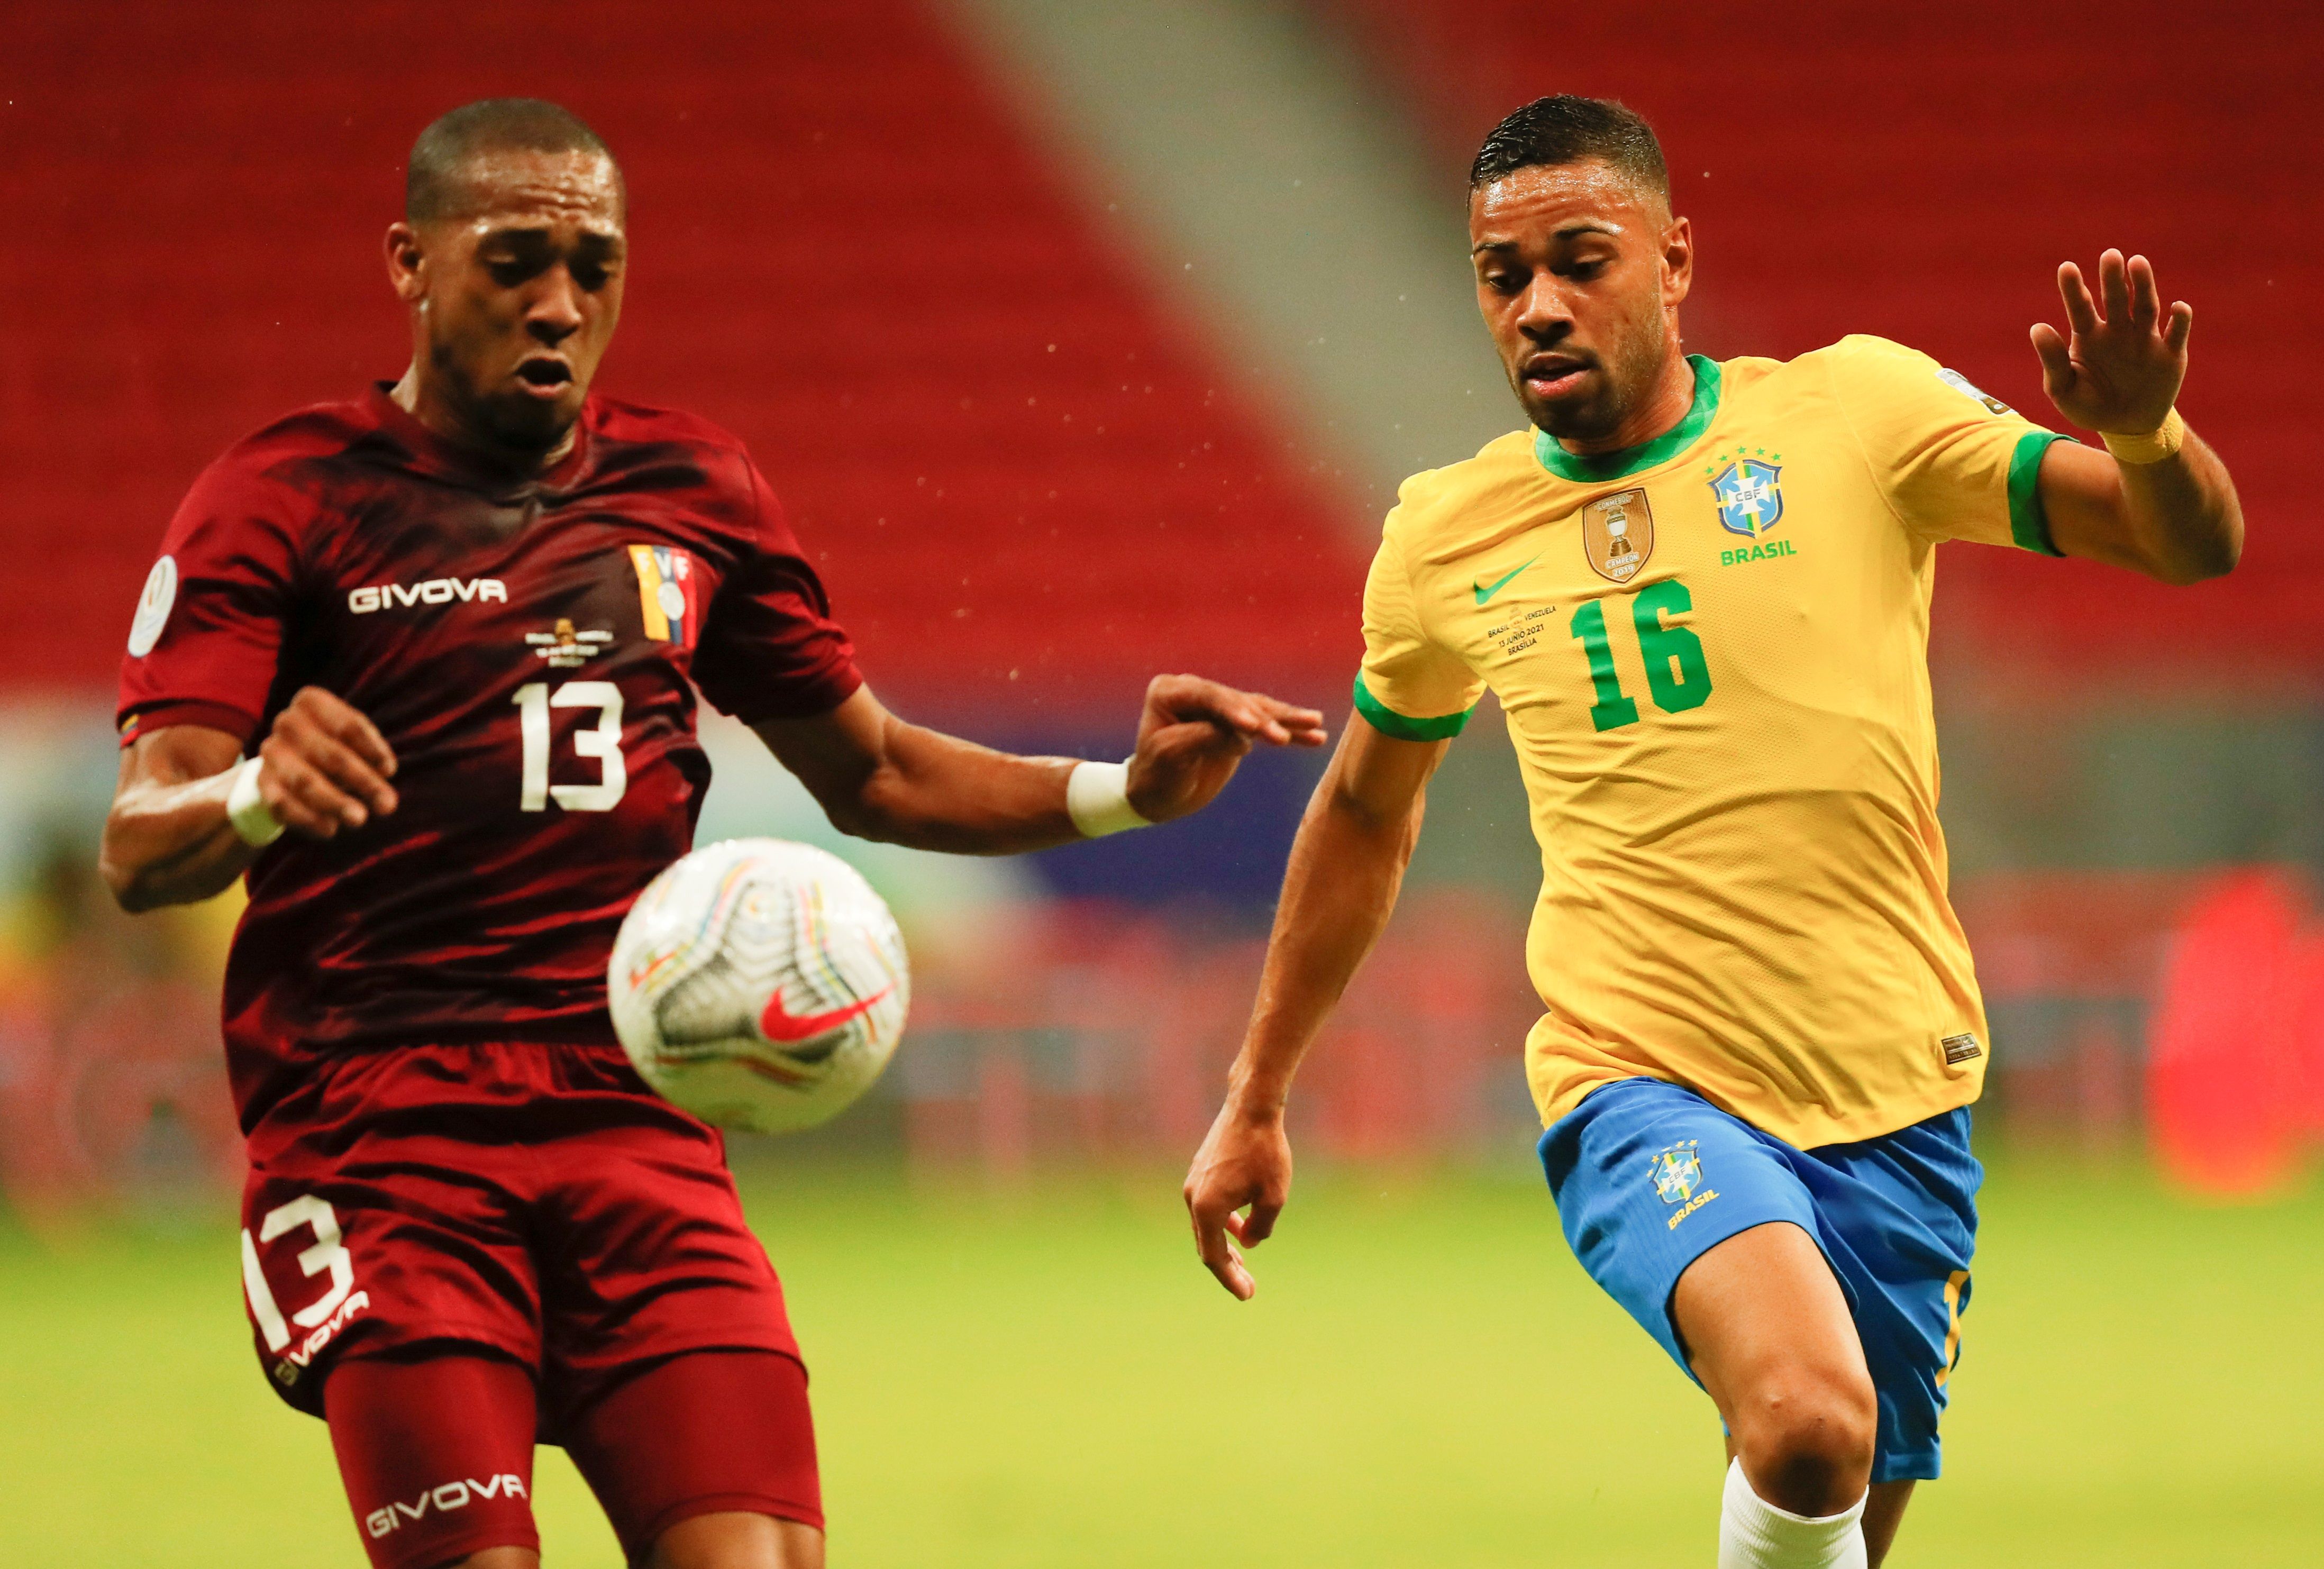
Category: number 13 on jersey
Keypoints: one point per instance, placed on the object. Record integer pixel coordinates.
(601, 741)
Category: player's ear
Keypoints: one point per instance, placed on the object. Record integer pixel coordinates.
(404, 259)
(1678, 260)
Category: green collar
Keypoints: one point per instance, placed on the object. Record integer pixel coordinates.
(1604, 466)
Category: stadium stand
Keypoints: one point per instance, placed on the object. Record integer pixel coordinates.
(1028, 486)
(1919, 173)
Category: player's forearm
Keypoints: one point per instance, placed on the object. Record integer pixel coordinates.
(1347, 866)
(933, 791)
(171, 844)
(2183, 514)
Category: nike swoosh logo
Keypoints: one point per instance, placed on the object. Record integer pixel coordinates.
(1484, 593)
(784, 1028)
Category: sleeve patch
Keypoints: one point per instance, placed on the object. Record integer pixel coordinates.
(1969, 390)
(1389, 722)
(153, 607)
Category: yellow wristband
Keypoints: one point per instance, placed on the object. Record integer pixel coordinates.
(2151, 448)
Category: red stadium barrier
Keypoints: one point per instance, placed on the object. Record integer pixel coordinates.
(1919, 173)
(1028, 486)
(2237, 1030)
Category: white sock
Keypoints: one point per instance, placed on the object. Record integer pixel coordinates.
(1754, 1534)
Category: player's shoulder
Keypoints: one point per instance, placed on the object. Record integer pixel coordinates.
(282, 468)
(1434, 500)
(317, 430)
(672, 449)
(623, 422)
(1861, 361)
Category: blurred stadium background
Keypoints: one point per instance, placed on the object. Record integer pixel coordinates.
(1084, 341)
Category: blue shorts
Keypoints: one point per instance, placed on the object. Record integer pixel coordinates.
(1649, 1176)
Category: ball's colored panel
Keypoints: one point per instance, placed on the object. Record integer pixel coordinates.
(760, 984)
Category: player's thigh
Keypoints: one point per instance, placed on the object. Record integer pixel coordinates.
(735, 1539)
(436, 1453)
(1769, 1332)
(671, 1448)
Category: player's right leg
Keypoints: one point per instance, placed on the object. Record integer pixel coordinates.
(436, 1452)
(1772, 1342)
(1769, 1333)
(1696, 1224)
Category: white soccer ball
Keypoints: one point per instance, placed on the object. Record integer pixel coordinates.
(760, 984)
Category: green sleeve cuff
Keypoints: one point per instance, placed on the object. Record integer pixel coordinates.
(1389, 722)
(2029, 526)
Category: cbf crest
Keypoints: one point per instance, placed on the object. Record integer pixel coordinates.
(1750, 494)
(1618, 534)
(1678, 1172)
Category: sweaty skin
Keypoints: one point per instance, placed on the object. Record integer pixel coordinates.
(513, 299)
(1580, 275)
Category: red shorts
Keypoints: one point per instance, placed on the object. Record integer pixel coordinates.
(535, 1202)
(436, 1454)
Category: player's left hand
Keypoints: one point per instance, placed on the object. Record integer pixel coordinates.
(1192, 734)
(2119, 372)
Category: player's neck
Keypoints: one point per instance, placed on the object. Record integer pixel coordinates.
(1669, 401)
(428, 405)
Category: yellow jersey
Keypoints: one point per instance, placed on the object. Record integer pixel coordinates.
(1711, 652)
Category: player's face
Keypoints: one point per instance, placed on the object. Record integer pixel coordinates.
(1579, 274)
(515, 299)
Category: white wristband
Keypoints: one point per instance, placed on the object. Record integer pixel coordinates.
(247, 811)
(1097, 799)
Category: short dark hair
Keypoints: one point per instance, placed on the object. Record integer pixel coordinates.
(1566, 129)
(434, 182)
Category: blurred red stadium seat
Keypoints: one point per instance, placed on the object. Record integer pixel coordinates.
(1919, 173)
(1025, 483)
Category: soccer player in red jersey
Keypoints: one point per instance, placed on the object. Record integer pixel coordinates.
(443, 635)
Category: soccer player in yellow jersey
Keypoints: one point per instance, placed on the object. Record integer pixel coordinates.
(1700, 593)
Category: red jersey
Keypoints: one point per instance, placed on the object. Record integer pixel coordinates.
(526, 648)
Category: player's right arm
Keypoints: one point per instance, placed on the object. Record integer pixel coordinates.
(1413, 696)
(1346, 865)
(168, 838)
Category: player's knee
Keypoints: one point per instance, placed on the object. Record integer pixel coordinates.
(1806, 1441)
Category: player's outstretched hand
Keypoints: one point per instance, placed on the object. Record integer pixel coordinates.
(1245, 1161)
(1192, 734)
(327, 767)
(2118, 373)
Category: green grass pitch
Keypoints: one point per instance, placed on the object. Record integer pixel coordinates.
(1047, 1378)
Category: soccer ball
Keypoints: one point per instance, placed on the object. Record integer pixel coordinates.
(760, 984)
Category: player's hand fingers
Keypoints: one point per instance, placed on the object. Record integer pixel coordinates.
(1185, 697)
(1211, 1244)
(2114, 286)
(347, 725)
(350, 772)
(2081, 314)
(2057, 363)
(1302, 726)
(2145, 301)
(2182, 323)
(300, 797)
(1200, 739)
(1260, 1224)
